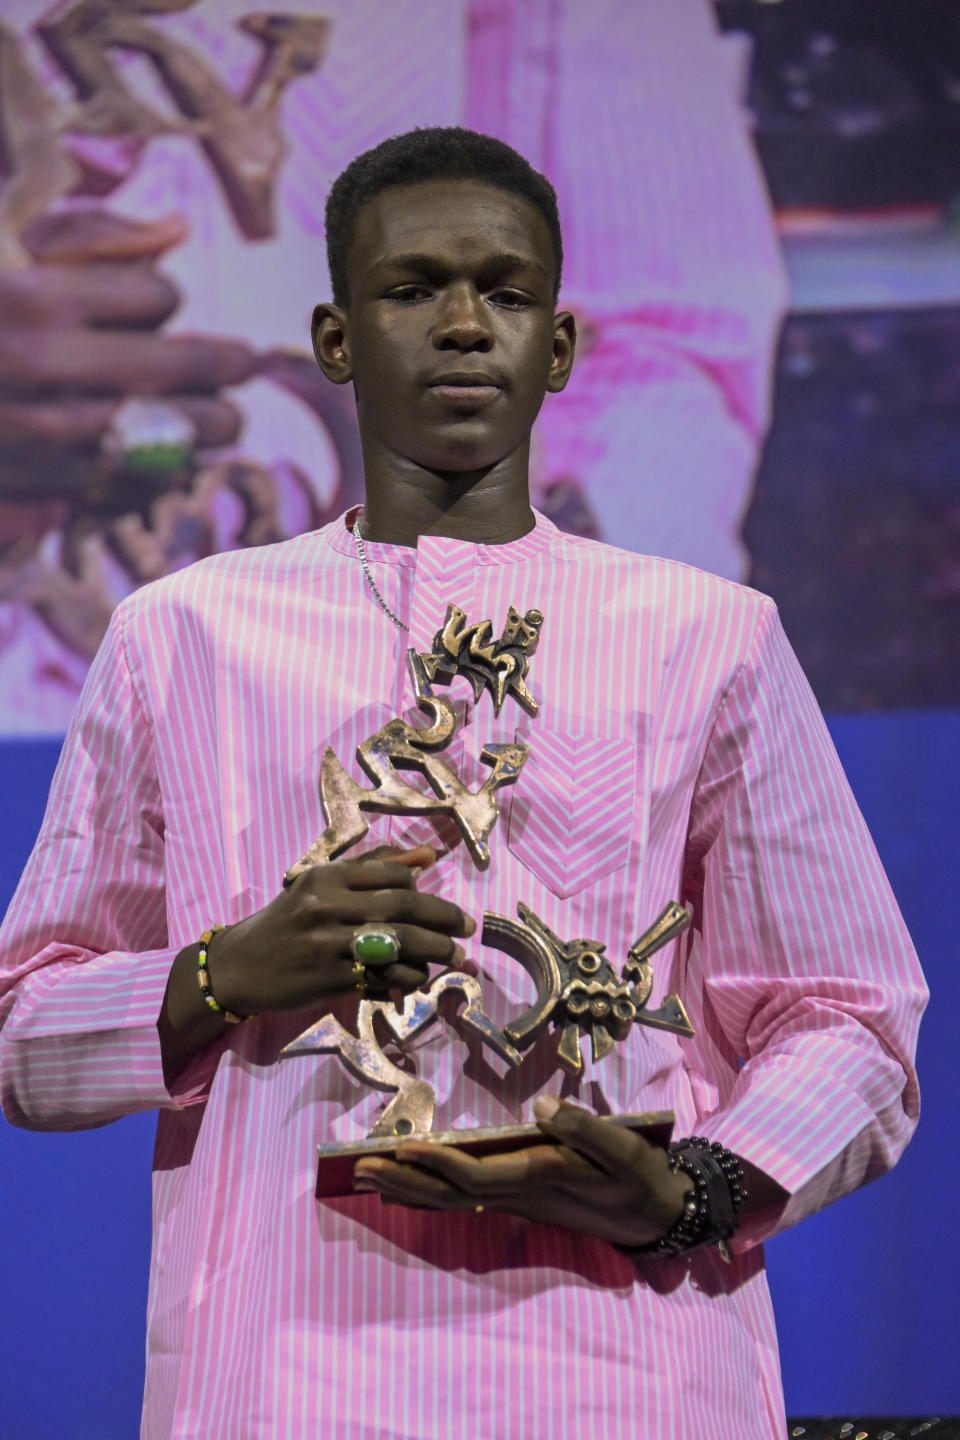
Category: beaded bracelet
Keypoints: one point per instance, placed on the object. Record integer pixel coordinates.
(709, 1215)
(203, 977)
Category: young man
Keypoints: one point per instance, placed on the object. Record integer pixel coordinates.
(677, 753)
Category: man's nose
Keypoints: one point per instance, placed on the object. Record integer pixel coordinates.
(463, 322)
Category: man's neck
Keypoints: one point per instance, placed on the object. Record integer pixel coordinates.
(483, 508)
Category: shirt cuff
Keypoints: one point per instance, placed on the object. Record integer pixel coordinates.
(844, 1142)
(81, 1046)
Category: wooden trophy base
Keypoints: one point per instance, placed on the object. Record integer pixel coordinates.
(335, 1162)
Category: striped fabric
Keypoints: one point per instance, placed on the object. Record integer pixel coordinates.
(576, 789)
(678, 754)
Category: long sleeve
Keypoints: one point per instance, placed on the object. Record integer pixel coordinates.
(808, 973)
(84, 958)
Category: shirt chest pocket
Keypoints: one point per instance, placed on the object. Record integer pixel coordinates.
(571, 813)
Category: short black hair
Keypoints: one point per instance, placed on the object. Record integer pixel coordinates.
(439, 152)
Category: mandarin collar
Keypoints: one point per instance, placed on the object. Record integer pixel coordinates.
(435, 548)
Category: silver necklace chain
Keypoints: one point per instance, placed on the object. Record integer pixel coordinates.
(370, 580)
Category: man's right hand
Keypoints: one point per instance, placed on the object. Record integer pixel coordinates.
(296, 952)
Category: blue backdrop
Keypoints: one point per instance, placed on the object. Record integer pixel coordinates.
(865, 1293)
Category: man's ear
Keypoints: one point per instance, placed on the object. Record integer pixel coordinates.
(328, 330)
(564, 349)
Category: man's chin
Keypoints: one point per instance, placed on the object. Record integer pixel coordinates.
(460, 481)
(462, 457)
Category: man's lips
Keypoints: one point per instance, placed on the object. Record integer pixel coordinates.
(464, 389)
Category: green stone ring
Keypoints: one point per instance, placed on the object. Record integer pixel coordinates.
(375, 945)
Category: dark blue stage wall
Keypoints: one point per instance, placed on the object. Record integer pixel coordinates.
(865, 1293)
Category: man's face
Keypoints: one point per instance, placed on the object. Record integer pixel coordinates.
(449, 333)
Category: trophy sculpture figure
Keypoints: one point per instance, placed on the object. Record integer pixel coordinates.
(579, 992)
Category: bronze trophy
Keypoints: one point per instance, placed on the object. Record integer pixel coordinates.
(578, 990)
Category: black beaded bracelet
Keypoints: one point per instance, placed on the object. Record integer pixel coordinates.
(709, 1215)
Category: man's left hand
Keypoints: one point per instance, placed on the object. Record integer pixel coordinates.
(591, 1176)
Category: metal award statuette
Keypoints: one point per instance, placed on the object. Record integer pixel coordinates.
(579, 993)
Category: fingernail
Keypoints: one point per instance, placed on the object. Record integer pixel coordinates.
(470, 926)
(545, 1107)
(362, 1184)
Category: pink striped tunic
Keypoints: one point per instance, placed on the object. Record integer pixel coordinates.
(678, 754)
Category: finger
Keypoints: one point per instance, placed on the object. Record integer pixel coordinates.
(92, 362)
(79, 237)
(71, 423)
(360, 874)
(407, 1185)
(430, 912)
(417, 947)
(386, 1200)
(504, 1178)
(607, 1145)
(114, 296)
(420, 858)
(401, 975)
(398, 873)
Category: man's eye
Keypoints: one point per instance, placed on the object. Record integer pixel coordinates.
(512, 299)
(409, 294)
